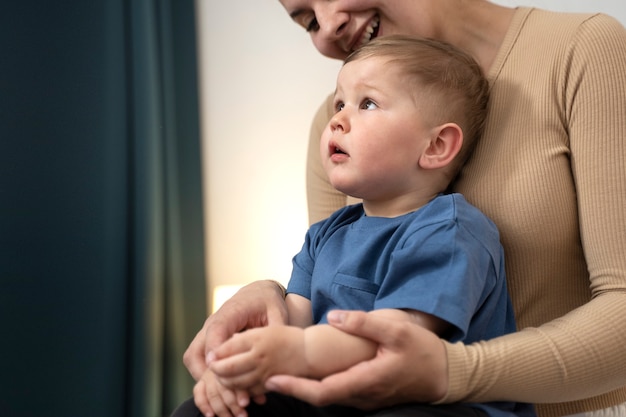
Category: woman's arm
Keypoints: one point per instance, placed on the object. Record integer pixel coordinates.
(582, 353)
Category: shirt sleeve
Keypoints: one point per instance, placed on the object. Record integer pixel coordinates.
(443, 270)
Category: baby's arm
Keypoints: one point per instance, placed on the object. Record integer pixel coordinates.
(249, 358)
(329, 350)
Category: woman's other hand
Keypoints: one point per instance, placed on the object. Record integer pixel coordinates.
(410, 366)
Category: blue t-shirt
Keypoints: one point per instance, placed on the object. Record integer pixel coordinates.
(444, 259)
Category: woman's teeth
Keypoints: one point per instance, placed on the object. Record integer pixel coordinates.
(367, 34)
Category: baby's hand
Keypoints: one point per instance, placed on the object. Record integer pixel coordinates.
(247, 359)
(213, 399)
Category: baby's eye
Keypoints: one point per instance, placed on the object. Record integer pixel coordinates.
(313, 25)
(339, 106)
(369, 105)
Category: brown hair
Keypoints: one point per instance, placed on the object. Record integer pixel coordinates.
(451, 80)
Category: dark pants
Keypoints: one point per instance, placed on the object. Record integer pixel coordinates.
(278, 405)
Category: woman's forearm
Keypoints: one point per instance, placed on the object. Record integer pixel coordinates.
(571, 358)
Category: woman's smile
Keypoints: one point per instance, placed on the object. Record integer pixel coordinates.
(370, 32)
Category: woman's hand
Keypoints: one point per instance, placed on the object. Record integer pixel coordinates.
(258, 304)
(410, 366)
(213, 399)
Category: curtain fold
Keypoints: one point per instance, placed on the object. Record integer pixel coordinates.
(102, 275)
(167, 290)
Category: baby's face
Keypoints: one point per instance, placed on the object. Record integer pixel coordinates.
(371, 146)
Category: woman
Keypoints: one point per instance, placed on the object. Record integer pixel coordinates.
(549, 171)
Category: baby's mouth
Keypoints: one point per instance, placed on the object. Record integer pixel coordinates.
(370, 32)
(336, 150)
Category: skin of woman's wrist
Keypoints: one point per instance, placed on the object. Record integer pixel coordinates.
(442, 385)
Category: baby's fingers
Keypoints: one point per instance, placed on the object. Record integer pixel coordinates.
(248, 381)
(231, 405)
(234, 366)
(214, 400)
(201, 400)
(239, 343)
(243, 398)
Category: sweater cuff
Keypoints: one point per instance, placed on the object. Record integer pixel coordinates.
(458, 379)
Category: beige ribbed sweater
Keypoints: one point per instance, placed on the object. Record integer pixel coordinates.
(550, 170)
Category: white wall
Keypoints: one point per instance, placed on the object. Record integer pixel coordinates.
(261, 82)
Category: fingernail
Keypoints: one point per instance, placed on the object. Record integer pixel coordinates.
(210, 357)
(336, 316)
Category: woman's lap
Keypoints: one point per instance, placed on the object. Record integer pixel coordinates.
(282, 406)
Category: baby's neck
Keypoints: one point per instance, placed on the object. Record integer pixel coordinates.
(397, 206)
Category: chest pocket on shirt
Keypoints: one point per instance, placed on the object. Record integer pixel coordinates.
(353, 293)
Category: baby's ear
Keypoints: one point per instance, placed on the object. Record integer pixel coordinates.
(445, 145)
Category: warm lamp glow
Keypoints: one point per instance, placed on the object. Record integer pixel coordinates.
(221, 293)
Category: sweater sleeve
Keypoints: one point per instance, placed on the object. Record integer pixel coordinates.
(581, 354)
(322, 198)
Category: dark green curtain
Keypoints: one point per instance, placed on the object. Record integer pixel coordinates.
(168, 252)
(101, 232)
(168, 249)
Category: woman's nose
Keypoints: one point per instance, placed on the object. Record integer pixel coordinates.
(333, 23)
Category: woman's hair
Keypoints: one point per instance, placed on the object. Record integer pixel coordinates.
(447, 80)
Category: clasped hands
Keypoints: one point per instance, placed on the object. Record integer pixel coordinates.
(249, 365)
(410, 363)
